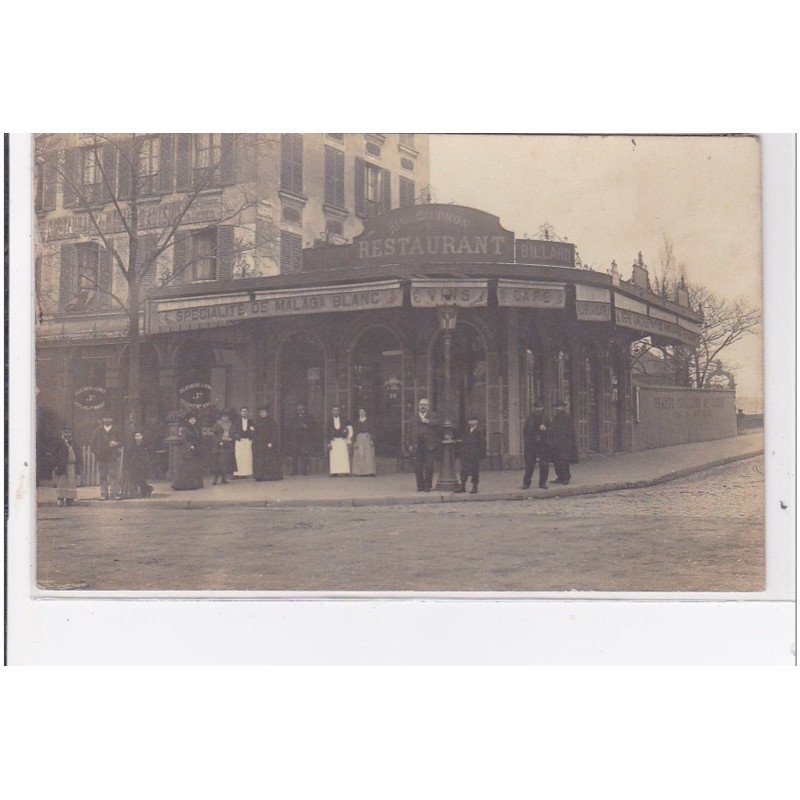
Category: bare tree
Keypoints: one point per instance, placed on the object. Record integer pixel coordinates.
(724, 323)
(111, 181)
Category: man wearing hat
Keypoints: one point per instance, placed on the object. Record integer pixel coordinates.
(472, 450)
(562, 443)
(105, 444)
(534, 439)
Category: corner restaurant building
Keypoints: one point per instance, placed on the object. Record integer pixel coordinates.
(369, 324)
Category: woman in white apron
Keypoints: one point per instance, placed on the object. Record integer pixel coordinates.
(244, 447)
(340, 435)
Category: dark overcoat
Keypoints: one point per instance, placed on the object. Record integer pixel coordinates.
(100, 443)
(473, 446)
(425, 436)
(534, 439)
(563, 446)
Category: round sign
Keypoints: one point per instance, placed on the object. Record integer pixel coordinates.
(195, 395)
(90, 398)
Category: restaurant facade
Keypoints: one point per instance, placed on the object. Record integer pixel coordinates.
(436, 301)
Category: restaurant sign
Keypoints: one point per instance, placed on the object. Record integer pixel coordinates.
(435, 233)
(211, 311)
(195, 395)
(531, 294)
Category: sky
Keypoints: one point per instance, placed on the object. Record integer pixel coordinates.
(616, 195)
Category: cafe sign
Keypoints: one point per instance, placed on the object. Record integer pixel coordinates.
(90, 398)
(531, 294)
(210, 311)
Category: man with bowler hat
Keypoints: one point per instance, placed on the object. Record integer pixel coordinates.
(424, 438)
(105, 444)
(534, 439)
(563, 445)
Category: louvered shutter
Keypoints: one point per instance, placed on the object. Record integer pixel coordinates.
(227, 165)
(48, 183)
(183, 162)
(386, 199)
(165, 163)
(145, 259)
(361, 187)
(125, 175)
(70, 177)
(66, 275)
(225, 247)
(179, 255)
(292, 162)
(108, 156)
(104, 267)
(407, 192)
(330, 176)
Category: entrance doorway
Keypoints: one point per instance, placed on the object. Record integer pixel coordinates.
(378, 387)
(301, 378)
(468, 365)
(618, 400)
(592, 377)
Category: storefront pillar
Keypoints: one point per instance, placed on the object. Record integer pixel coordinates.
(515, 415)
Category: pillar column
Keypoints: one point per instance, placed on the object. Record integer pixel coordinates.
(514, 443)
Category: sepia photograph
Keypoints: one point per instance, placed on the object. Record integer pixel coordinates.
(398, 363)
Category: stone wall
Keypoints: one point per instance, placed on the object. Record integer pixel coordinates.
(670, 415)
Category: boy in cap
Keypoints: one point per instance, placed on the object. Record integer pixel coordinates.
(473, 449)
(105, 443)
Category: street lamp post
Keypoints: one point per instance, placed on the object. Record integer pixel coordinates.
(447, 481)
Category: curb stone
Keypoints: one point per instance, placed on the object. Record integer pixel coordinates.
(438, 497)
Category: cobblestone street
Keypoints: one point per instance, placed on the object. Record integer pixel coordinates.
(704, 532)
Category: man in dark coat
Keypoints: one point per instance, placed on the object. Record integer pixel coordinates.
(105, 444)
(534, 438)
(472, 450)
(423, 435)
(300, 441)
(563, 446)
(138, 458)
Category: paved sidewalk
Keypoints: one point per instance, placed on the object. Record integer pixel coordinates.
(596, 474)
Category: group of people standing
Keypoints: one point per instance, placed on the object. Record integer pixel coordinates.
(239, 447)
(351, 445)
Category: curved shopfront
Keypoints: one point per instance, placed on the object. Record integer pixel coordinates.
(365, 325)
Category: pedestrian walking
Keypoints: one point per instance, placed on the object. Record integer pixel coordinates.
(105, 444)
(364, 447)
(562, 443)
(266, 456)
(190, 459)
(224, 440)
(471, 452)
(64, 469)
(340, 435)
(300, 441)
(138, 457)
(423, 437)
(535, 444)
(244, 446)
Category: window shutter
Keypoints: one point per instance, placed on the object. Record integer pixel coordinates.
(66, 276)
(70, 178)
(48, 184)
(145, 255)
(124, 171)
(108, 156)
(225, 247)
(227, 165)
(361, 187)
(386, 200)
(179, 258)
(292, 162)
(104, 267)
(165, 163)
(407, 192)
(330, 172)
(183, 163)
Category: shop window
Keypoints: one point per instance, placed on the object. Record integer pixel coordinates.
(534, 376)
(563, 386)
(292, 163)
(468, 364)
(302, 381)
(407, 192)
(291, 252)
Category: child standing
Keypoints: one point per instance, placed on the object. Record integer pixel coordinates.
(473, 449)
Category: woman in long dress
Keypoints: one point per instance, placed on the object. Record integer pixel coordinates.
(190, 462)
(364, 448)
(266, 458)
(340, 435)
(64, 469)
